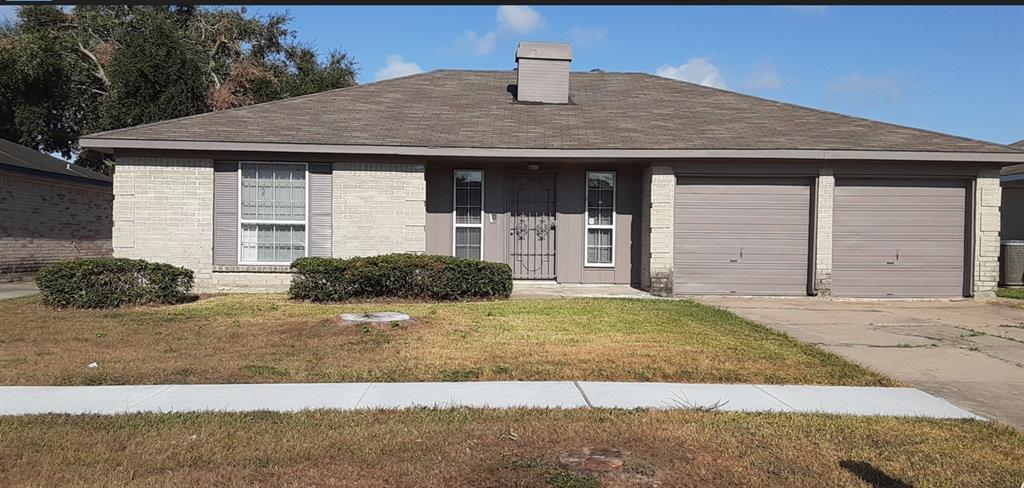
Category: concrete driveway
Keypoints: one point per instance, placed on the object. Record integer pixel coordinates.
(970, 352)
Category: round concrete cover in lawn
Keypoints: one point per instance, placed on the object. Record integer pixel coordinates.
(374, 317)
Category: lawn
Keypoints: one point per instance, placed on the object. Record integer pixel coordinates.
(1017, 293)
(490, 448)
(268, 338)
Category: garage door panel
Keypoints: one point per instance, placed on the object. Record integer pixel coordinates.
(901, 238)
(741, 236)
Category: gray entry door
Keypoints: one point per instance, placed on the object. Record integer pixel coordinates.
(898, 238)
(743, 236)
(532, 228)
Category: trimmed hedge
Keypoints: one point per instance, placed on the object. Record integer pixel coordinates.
(399, 276)
(112, 282)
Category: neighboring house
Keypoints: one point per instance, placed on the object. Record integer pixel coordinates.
(49, 210)
(583, 177)
(1013, 199)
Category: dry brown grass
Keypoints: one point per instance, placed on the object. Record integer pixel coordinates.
(267, 338)
(488, 448)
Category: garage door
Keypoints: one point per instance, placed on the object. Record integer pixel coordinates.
(898, 238)
(744, 236)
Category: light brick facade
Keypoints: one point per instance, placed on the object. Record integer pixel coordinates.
(163, 211)
(660, 234)
(987, 198)
(826, 189)
(379, 208)
(45, 220)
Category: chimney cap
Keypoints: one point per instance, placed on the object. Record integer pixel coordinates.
(544, 50)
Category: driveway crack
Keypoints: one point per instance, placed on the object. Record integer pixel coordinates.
(583, 393)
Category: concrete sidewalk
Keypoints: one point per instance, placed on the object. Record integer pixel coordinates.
(906, 402)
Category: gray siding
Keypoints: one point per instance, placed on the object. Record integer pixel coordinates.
(571, 182)
(321, 236)
(745, 236)
(225, 213)
(898, 238)
(543, 80)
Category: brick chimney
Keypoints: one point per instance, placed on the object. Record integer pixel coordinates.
(543, 72)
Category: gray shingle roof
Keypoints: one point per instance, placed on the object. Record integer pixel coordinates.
(26, 159)
(473, 109)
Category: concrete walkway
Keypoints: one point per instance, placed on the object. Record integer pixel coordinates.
(21, 400)
(18, 289)
(970, 352)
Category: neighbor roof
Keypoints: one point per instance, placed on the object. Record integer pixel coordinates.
(474, 109)
(21, 158)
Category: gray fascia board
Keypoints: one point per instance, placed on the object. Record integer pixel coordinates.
(108, 145)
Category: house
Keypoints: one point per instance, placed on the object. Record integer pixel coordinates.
(573, 177)
(1013, 199)
(49, 210)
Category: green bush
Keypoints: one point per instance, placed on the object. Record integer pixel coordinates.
(399, 276)
(112, 282)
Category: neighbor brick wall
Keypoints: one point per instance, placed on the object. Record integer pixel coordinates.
(379, 208)
(987, 198)
(823, 256)
(45, 220)
(661, 219)
(163, 211)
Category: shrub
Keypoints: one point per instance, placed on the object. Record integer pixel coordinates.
(399, 276)
(112, 282)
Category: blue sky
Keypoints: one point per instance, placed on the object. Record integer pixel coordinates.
(958, 70)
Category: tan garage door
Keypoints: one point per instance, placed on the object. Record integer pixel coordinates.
(902, 238)
(744, 236)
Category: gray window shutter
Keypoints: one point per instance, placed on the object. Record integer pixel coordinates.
(320, 209)
(225, 213)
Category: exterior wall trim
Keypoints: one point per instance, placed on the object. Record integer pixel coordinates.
(108, 145)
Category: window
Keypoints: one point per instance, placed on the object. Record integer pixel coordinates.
(469, 214)
(600, 242)
(272, 213)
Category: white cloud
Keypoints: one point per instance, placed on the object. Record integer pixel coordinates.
(864, 89)
(518, 19)
(765, 77)
(696, 70)
(584, 37)
(471, 41)
(397, 67)
(512, 20)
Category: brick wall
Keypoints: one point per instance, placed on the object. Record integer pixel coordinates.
(379, 208)
(45, 220)
(661, 219)
(163, 211)
(987, 198)
(823, 256)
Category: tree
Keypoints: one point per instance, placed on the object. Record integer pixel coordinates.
(107, 67)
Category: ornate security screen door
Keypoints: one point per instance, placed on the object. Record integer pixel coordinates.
(532, 226)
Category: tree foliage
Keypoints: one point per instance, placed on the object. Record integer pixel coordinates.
(64, 74)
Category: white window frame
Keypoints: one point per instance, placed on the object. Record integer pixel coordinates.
(242, 221)
(455, 211)
(588, 225)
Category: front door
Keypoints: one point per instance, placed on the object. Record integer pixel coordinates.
(532, 226)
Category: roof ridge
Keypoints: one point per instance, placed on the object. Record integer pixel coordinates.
(264, 104)
(828, 112)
